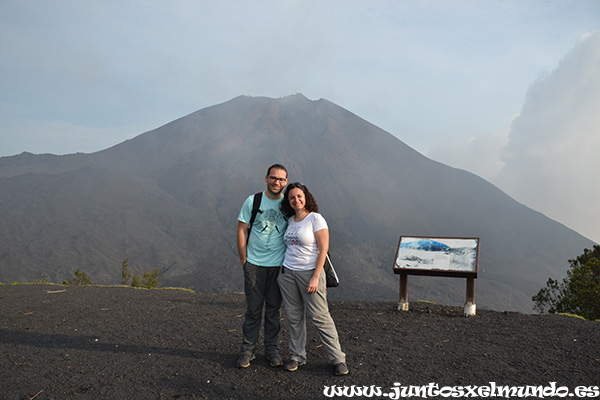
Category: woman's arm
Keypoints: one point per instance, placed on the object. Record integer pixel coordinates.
(322, 237)
(241, 241)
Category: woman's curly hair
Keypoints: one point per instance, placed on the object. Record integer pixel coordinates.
(311, 203)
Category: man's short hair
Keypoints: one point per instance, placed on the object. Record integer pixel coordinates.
(276, 166)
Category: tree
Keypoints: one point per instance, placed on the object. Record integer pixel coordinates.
(579, 292)
(126, 273)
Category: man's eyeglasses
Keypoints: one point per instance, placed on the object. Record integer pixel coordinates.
(274, 179)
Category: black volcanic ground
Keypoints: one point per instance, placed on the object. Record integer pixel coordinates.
(121, 343)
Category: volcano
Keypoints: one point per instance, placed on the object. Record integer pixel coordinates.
(169, 199)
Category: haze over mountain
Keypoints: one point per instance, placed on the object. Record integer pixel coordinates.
(169, 199)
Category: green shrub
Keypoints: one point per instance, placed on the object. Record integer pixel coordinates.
(148, 281)
(80, 279)
(135, 282)
(578, 293)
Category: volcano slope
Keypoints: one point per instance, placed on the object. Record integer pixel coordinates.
(122, 343)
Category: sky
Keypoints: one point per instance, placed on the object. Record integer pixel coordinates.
(506, 89)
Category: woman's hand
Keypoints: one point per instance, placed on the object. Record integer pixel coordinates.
(313, 285)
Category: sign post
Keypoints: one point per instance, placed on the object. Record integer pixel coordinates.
(437, 256)
(403, 302)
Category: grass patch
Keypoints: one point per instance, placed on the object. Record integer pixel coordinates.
(572, 315)
(44, 282)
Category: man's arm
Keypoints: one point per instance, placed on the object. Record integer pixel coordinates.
(241, 241)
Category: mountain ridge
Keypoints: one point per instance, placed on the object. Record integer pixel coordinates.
(169, 199)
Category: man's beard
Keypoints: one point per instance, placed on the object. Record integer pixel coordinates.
(276, 192)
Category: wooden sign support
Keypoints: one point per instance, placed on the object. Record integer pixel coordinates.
(470, 307)
(403, 301)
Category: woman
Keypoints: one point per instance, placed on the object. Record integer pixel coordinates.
(301, 282)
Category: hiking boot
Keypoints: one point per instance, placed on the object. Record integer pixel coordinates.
(275, 360)
(244, 360)
(292, 365)
(341, 369)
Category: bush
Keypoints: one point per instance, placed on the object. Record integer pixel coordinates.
(579, 292)
(135, 282)
(149, 280)
(80, 279)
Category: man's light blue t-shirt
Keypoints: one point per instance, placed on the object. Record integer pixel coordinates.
(266, 247)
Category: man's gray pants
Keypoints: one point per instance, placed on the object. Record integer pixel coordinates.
(297, 303)
(261, 287)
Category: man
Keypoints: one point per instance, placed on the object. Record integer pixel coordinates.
(261, 255)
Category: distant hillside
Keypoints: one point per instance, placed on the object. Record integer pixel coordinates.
(169, 199)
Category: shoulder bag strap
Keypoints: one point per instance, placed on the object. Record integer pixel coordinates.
(255, 210)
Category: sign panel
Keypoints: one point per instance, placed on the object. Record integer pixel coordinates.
(441, 256)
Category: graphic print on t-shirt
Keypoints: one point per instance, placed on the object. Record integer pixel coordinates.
(291, 236)
(270, 220)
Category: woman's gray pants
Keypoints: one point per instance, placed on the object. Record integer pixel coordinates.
(297, 304)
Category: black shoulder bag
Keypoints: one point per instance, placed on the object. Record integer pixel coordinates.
(330, 275)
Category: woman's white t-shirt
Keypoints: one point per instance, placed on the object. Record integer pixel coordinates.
(302, 250)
